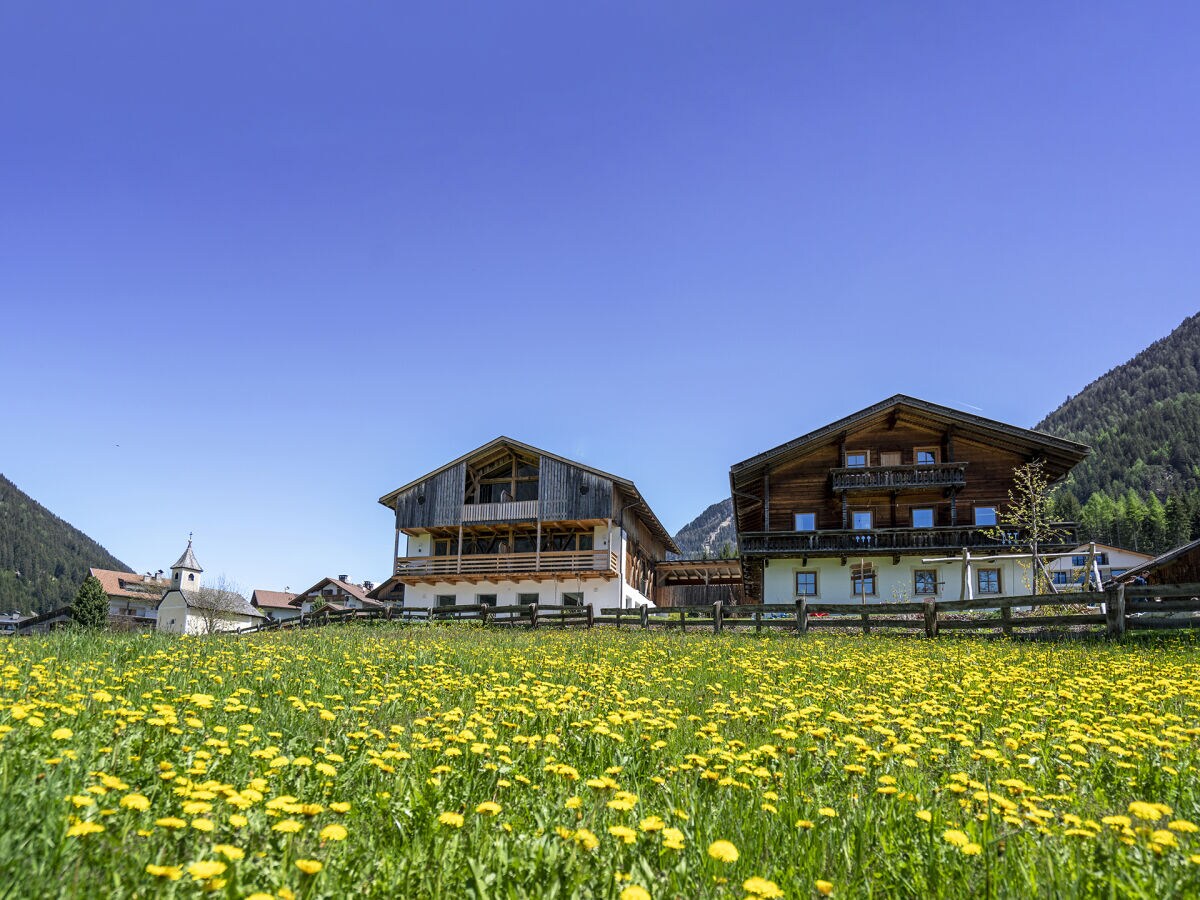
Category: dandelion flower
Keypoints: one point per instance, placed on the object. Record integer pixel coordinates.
(206, 869)
(172, 872)
(825, 888)
(333, 833)
(309, 866)
(724, 851)
(635, 892)
(83, 828)
(488, 808)
(761, 887)
(451, 819)
(625, 833)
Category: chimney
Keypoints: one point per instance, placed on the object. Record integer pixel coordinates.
(344, 578)
(368, 586)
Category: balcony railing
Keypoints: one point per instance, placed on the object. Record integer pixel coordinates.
(510, 511)
(893, 478)
(898, 540)
(508, 565)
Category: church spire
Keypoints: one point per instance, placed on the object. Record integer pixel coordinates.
(186, 571)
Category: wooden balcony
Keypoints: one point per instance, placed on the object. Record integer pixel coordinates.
(508, 566)
(510, 511)
(882, 541)
(900, 478)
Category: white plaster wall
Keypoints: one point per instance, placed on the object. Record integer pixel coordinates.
(172, 614)
(894, 582)
(597, 592)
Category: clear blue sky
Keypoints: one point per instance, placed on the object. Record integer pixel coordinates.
(262, 263)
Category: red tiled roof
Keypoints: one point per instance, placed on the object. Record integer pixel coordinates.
(272, 599)
(128, 584)
(352, 590)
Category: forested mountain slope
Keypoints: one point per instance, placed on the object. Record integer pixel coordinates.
(43, 559)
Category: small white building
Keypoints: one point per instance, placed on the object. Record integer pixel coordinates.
(188, 608)
(275, 605)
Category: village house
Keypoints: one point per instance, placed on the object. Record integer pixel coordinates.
(132, 599)
(855, 511)
(275, 605)
(335, 594)
(1092, 565)
(511, 524)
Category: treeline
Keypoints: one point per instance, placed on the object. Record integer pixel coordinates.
(43, 560)
(1140, 486)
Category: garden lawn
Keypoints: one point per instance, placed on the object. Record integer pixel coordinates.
(449, 761)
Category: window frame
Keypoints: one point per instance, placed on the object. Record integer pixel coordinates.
(885, 455)
(796, 521)
(858, 574)
(865, 454)
(917, 592)
(995, 517)
(979, 589)
(912, 516)
(523, 598)
(862, 512)
(936, 452)
(439, 600)
(482, 600)
(816, 582)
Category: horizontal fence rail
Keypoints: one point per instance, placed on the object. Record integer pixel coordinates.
(949, 538)
(1118, 610)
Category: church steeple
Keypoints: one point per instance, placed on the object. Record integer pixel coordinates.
(186, 571)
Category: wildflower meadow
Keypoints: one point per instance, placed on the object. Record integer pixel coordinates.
(452, 761)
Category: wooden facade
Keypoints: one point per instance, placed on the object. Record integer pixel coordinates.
(902, 477)
(509, 512)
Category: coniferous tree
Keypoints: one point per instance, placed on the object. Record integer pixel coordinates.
(90, 607)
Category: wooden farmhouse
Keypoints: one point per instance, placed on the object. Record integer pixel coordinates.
(511, 524)
(852, 511)
(1178, 566)
(335, 594)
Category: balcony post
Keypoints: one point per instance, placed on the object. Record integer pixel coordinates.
(458, 564)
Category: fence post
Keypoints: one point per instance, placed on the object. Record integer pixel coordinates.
(866, 621)
(931, 623)
(802, 616)
(645, 617)
(484, 615)
(533, 615)
(682, 622)
(717, 618)
(1006, 619)
(591, 616)
(1114, 609)
(758, 621)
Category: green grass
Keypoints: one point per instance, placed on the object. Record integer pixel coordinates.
(813, 756)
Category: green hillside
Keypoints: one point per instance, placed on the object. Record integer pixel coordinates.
(1140, 487)
(42, 558)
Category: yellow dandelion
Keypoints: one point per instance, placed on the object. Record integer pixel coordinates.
(333, 833)
(761, 887)
(309, 866)
(206, 869)
(451, 819)
(724, 851)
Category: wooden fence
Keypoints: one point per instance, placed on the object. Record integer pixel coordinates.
(1116, 611)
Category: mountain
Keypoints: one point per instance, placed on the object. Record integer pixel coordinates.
(43, 559)
(1142, 420)
(710, 532)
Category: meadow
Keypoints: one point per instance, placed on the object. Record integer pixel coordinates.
(450, 761)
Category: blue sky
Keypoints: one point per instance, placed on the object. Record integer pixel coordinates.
(262, 263)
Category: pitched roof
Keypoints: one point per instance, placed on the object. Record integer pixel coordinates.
(639, 504)
(225, 601)
(1058, 450)
(128, 584)
(188, 559)
(345, 587)
(1151, 565)
(272, 599)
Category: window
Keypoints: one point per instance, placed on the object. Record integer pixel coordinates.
(572, 598)
(1102, 559)
(806, 584)
(862, 520)
(1060, 578)
(1079, 561)
(925, 581)
(526, 599)
(191, 576)
(445, 547)
(889, 458)
(862, 580)
(922, 518)
(806, 521)
(485, 599)
(989, 581)
(446, 600)
(985, 515)
(857, 459)
(585, 541)
(925, 456)
(1116, 573)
